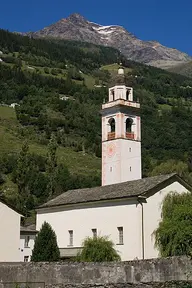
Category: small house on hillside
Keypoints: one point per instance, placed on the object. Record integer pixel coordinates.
(10, 233)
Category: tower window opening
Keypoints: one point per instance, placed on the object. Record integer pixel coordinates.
(129, 132)
(129, 123)
(112, 124)
(129, 149)
(130, 168)
(113, 95)
(127, 95)
(111, 134)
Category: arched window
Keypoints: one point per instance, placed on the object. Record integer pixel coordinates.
(112, 124)
(113, 95)
(129, 123)
(127, 95)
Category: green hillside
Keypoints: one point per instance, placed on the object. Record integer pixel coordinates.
(183, 69)
(11, 142)
(59, 87)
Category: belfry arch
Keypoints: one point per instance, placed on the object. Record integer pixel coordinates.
(129, 123)
(112, 124)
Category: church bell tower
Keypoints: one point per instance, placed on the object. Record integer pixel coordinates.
(121, 134)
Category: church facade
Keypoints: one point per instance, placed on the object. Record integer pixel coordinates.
(126, 208)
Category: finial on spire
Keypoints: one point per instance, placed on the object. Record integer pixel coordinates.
(120, 70)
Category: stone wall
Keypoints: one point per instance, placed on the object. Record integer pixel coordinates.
(146, 273)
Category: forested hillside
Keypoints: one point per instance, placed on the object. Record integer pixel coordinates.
(60, 87)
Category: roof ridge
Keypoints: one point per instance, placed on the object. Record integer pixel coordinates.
(122, 190)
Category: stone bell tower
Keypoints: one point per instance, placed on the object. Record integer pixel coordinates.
(121, 134)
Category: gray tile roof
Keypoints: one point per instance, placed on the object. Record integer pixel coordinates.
(109, 192)
(30, 229)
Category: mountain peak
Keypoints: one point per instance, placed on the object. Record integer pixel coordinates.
(76, 18)
(77, 27)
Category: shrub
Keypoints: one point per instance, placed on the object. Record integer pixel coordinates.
(98, 249)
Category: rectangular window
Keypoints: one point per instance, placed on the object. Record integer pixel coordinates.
(120, 230)
(26, 258)
(94, 231)
(70, 237)
(27, 238)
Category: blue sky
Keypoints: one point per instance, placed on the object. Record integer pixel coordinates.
(167, 21)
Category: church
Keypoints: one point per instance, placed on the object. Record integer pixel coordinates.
(127, 207)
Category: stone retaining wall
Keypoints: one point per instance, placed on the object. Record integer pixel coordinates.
(146, 273)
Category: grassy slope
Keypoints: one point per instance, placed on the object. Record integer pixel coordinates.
(183, 69)
(112, 68)
(89, 79)
(77, 162)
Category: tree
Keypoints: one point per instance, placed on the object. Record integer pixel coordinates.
(51, 165)
(98, 249)
(45, 248)
(173, 237)
(22, 174)
(173, 166)
(46, 70)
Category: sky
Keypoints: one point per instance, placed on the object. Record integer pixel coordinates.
(166, 21)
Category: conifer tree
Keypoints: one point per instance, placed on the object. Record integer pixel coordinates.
(51, 165)
(22, 176)
(45, 248)
(22, 168)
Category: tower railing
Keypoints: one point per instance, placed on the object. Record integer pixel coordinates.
(111, 135)
(130, 135)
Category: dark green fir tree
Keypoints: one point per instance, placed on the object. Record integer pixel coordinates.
(45, 248)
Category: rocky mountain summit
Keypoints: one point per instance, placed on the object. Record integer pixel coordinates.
(76, 27)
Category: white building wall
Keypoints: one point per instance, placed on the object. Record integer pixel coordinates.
(26, 251)
(105, 219)
(119, 92)
(123, 164)
(130, 160)
(10, 234)
(152, 216)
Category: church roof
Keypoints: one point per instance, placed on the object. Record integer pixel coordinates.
(123, 190)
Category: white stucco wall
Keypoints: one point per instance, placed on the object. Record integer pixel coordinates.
(26, 251)
(123, 164)
(105, 219)
(152, 216)
(130, 160)
(119, 92)
(10, 234)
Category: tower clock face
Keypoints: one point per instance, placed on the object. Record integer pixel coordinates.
(111, 149)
